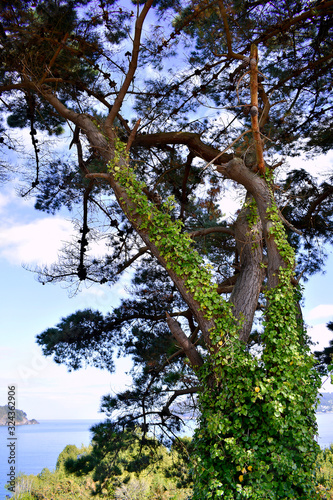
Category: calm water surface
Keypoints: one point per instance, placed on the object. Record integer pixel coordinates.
(38, 446)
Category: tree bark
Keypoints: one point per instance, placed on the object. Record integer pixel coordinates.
(257, 186)
(189, 139)
(184, 342)
(245, 294)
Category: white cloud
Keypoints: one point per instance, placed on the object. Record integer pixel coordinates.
(6, 352)
(46, 390)
(320, 335)
(27, 237)
(3, 201)
(318, 166)
(11, 200)
(36, 242)
(321, 311)
(231, 200)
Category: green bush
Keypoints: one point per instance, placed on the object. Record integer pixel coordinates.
(55, 485)
(126, 468)
(325, 472)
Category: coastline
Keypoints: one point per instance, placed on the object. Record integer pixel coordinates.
(12, 417)
(29, 422)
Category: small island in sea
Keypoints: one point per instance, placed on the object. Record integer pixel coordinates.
(20, 417)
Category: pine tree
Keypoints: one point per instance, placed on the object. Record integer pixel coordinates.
(215, 94)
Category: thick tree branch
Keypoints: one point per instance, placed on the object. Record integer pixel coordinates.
(256, 185)
(189, 349)
(83, 121)
(225, 289)
(189, 139)
(188, 165)
(210, 230)
(254, 112)
(17, 86)
(227, 285)
(132, 135)
(99, 175)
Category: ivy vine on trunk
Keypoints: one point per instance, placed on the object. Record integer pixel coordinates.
(214, 312)
(257, 423)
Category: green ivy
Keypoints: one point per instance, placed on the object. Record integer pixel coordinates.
(255, 437)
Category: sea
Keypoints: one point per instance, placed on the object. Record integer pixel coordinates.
(38, 446)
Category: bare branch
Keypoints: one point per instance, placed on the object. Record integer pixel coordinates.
(124, 123)
(127, 263)
(176, 394)
(318, 201)
(231, 54)
(132, 135)
(57, 52)
(213, 161)
(131, 71)
(267, 106)
(83, 121)
(288, 224)
(226, 27)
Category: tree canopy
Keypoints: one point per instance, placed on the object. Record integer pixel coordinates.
(172, 107)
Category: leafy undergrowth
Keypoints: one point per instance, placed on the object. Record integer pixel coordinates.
(130, 470)
(325, 472)
(81, 473)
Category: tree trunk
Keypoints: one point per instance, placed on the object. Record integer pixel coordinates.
(245, 294)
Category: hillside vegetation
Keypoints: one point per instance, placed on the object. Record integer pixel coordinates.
(134, 472)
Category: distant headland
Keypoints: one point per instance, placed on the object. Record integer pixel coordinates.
(20, 417)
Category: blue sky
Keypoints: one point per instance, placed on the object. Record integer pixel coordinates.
(46, 390)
